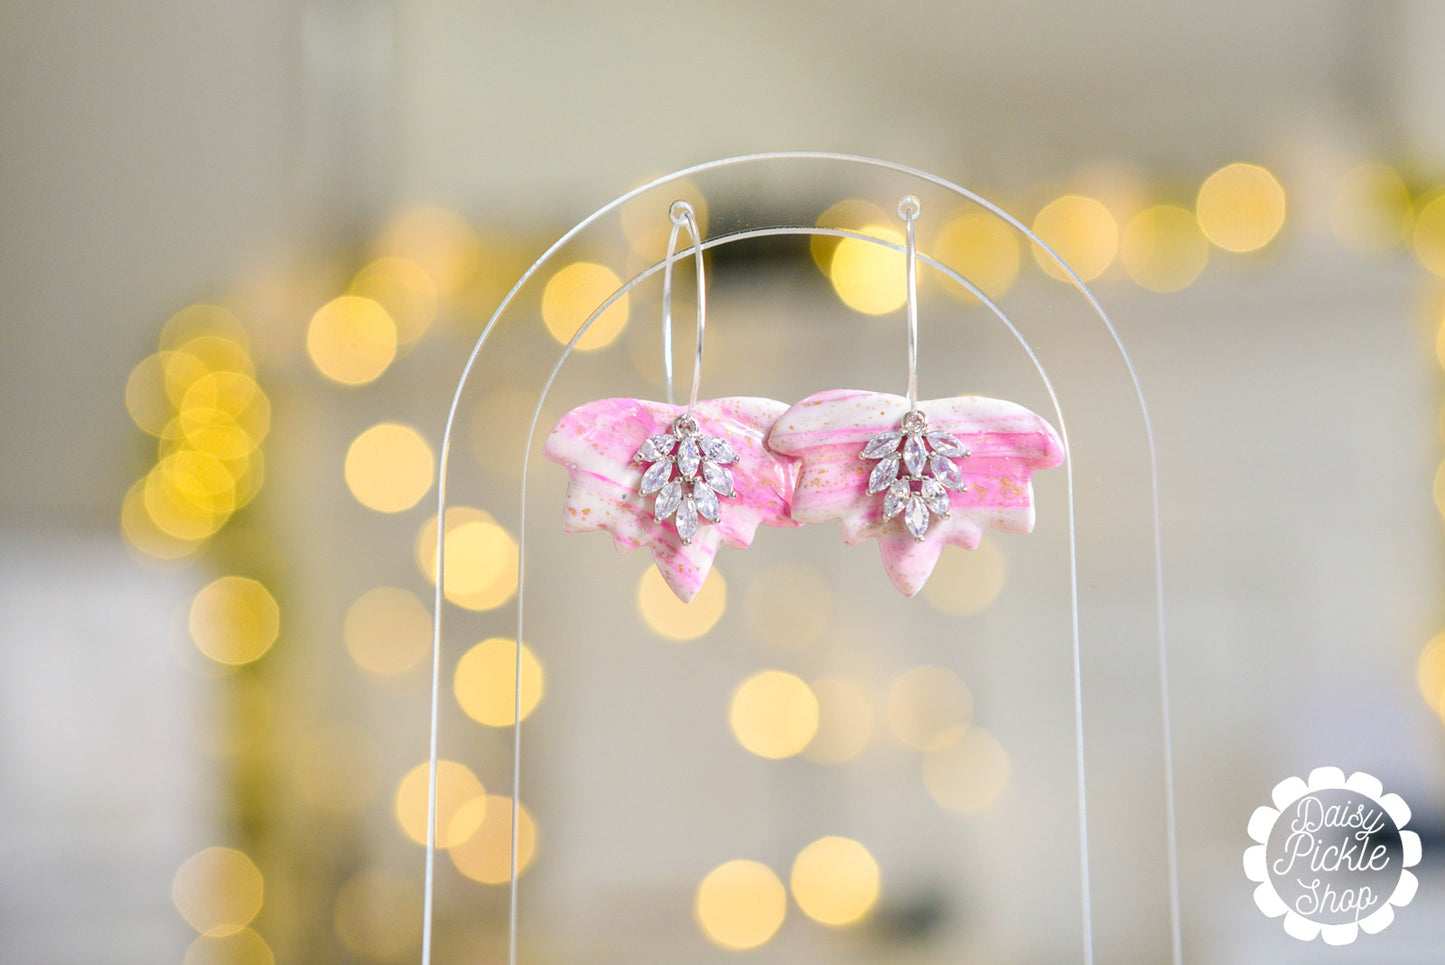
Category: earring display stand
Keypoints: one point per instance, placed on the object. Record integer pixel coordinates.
(637, 787)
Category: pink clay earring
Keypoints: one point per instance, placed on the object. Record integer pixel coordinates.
(681, 480)
(914, 475)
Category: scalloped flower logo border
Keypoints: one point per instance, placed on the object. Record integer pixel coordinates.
(1321, 818)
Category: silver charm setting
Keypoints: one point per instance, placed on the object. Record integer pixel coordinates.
(915, 470)
(688, 473)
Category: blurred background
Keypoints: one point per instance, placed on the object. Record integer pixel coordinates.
(246, 250)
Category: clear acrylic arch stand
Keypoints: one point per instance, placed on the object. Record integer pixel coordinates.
(1076, 861)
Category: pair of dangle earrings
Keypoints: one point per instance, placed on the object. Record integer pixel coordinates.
(914, 475)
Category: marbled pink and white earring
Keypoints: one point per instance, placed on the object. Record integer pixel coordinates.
(914, 475)
(682, 480)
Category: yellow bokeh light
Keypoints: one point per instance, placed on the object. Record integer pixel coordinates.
(1372, 210)
(965, 582)
(215, 433)
(481, 559)
(983, 249)
(461, 803)
(968, 772)
(441, 242)
(846, 215)
(1081, 231)
(244, 947)
(669, 617)
(351, 340)
(235, 393)
(405, 290)
(218, 354)
(218, 891)
(573, 294)
(835, 881)
(789, 605)
(1240, 207)
(1430, 674)
(869, 277)
(485, 682)
(180, 371)
(142, 532)
(189, 494)
(1163, 249)
(387, 631)
(200, 398)
(332, 769)
(234, 620)
(740, 905)
(1428, 238)
(378, 915)
(925, 703)
(199, 479)
(845, 722)
(226, 435)
(145, 394)
(773, 714)
(487, 855)
(389, 467)
(202, 319)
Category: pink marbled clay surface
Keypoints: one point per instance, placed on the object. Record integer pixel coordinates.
(596, 443)
(827, 431)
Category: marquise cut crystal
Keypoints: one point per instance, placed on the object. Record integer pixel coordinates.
(946, 444)
(719, 478)
(915, 456)
(705, 500)
(717, 450)
(883, 475)
(915, 471)
(687, 519)
(896, 498)
(882, 444)
(688, 457)
(655, 448)
(916, 516)
(656, 477)
(668, 499)
(934, 495)
(946, 471)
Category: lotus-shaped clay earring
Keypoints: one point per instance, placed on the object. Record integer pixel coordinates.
(915, 475)
(680, 479)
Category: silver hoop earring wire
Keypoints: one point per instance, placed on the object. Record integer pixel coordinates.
(908, 210)
(682, 216)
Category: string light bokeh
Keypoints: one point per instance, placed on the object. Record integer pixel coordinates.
(201, 396)
(795, 767)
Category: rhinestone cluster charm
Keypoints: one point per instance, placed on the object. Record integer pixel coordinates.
(688, 474)
(915, 472)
